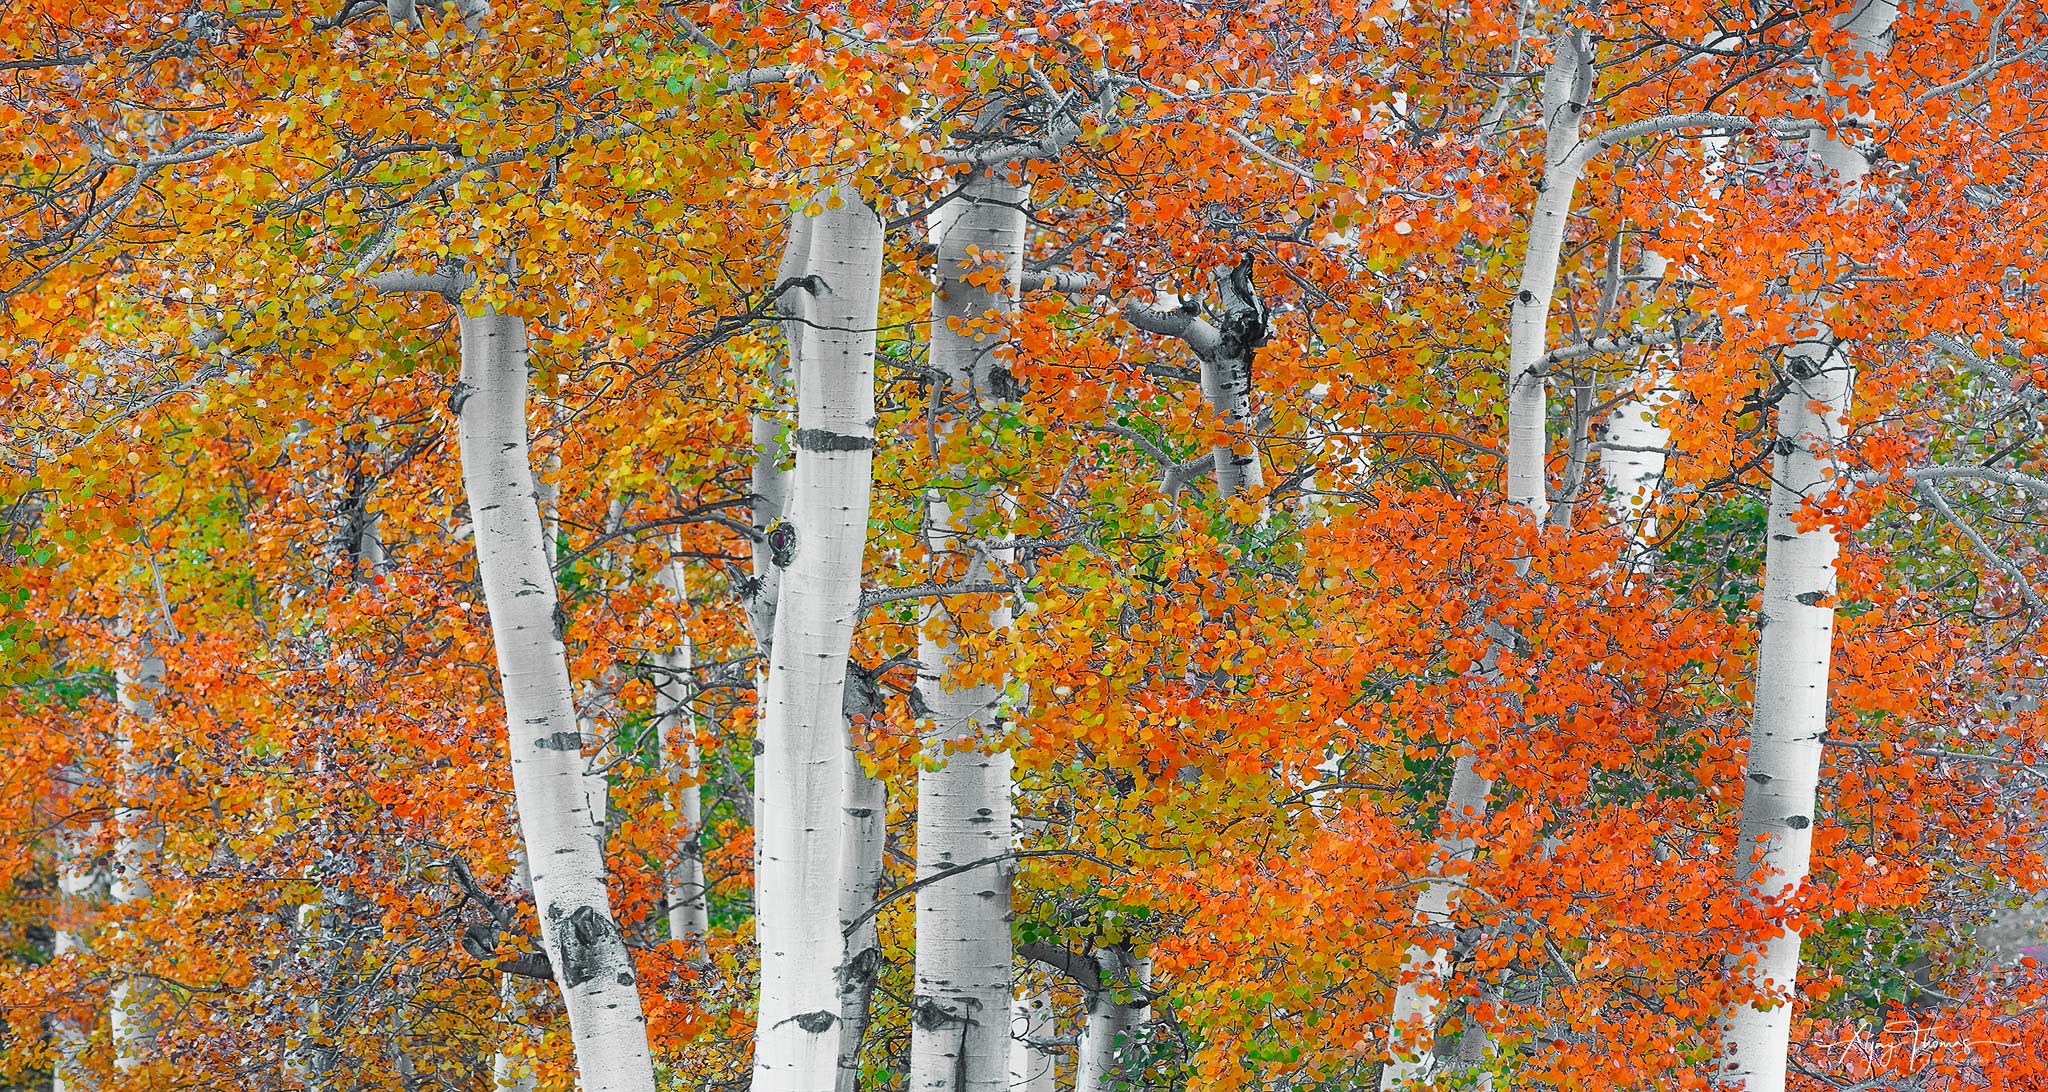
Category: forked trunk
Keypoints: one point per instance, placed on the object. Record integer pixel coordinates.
(802, 762)
(564, 848)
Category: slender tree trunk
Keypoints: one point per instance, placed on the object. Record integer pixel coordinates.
(802, 764)
(771, 483)
(592, 966)
(1115, 1020)
(511, 1072)
(129, 1006)
(1417, 1001)
(1790, 712)
(960, 1024)
(77, 885)
(863, 798)
(865, 801)
(314, 1056)
(1789, 718)
(1227, 380)
(676, 735)
(1634, 463)
(1566, 87)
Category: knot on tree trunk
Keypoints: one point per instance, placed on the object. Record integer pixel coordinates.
(588, 940)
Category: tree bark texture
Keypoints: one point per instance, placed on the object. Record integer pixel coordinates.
(129, 1003)
(1117, 1015)
(865, 801)
(819, 547)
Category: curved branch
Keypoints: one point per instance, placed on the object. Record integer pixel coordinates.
(948, 873)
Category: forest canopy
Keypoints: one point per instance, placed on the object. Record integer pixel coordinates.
(1213, 545)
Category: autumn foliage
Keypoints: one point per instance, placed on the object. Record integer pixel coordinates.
(289, 857)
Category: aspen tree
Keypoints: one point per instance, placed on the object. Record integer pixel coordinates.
(1567, 85)
(819, 544)
(129, 1004)
(564, 848)
(960, 1025)
(1789, 718)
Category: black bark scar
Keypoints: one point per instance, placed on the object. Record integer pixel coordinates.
(818, 439)
(584, 939)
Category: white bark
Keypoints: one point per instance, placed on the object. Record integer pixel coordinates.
(1789, 719)
(688, 896)
(770, 482)
(803, 757)
(1419, 998)
(129, 1002)
(960, 1033)
(509, 1072)
(77, 883)
(1790, 714)
(1032, 1069)
(314, 1056)
(1567, 84)
(1227, 381)
(676, 731)
(865, 801)
(1225, 351)
(1566, 87)
(1634, 459)
(1115, 1020)
(592, 967)
(1633, 464)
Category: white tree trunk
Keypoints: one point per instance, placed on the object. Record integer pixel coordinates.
(563, 847)
(1790, 713)
(1566, 87)
(129, 1001)
(77, 883)
(1032, 1069)
(865, 802)
(960, 1020)
(1113, 1025)
(1789, 718)
(1634, 463)
(770, 482)
(689, 911)
(819, 546)
(1419, 998)
(675, 735)
(510, 1072)
(1227, 381)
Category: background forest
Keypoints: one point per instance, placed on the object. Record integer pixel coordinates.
(1227, 545)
